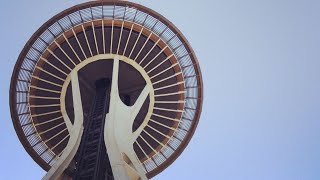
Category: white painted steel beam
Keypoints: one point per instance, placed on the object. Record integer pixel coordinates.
(75, 132)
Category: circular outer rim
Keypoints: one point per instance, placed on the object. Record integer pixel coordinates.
(12, 94)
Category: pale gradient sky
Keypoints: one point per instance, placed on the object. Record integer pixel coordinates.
(260, 63)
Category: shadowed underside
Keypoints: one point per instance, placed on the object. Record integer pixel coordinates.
(141, 38)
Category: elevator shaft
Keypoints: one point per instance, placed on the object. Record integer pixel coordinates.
(92, 162)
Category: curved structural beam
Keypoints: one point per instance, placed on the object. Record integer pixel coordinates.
(75, 132)
(118, 134)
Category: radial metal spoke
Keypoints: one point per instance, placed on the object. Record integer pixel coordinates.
(155, 139)
(169, 86)
(136, 42)
(144, 44)
(52, 137)
(44, 106)
(142, 150)
(164, 79)
(44, 89)
(46, 81)
(54, 127)
(160, 64)
(71, 47)
(155, 57)
(60, 142)
(103, 38)
(95, 38)
(55, 76)
(64, 52)
(119, 42)
(169, 102)
(47, 113)
(48, 121)
(43, 97)
(166, 117)
(75, 35)
(128, 39)
(170, 94)
(167, 69)
(170, 110)
(85, 36)
(55, 56)
(163, 125)
(146, 55)
(149, 146)
(45, 60)
(111, 43)
(159, 132)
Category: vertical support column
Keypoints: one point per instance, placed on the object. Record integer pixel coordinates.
(118, 134)
(75, 132)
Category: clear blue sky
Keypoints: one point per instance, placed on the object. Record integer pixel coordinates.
(261, 68)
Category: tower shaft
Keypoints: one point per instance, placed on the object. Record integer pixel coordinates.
(92, 161)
